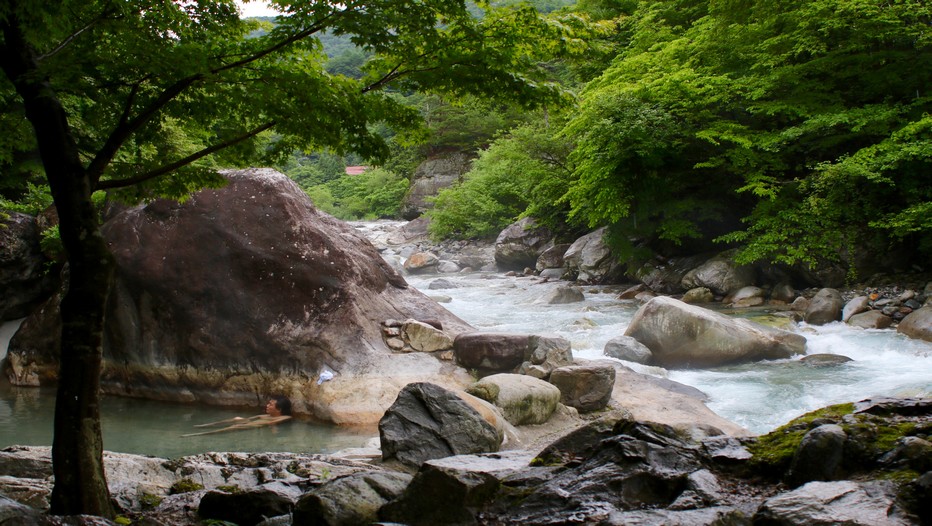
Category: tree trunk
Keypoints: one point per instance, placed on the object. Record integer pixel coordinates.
(77, 448)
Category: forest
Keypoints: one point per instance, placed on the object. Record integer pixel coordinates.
(794, 131)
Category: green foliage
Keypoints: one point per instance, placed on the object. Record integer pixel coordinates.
(521, 173)
(373, 194)
(808, 118)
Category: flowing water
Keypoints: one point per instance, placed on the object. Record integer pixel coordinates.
(759, 396)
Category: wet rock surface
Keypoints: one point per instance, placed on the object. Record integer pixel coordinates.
(613, 470)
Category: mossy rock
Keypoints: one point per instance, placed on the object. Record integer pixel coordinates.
(184, 486)
(870, 437)
(773, 452)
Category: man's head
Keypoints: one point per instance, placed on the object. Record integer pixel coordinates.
(278, 406)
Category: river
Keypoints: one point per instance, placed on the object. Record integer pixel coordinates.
(759, 396)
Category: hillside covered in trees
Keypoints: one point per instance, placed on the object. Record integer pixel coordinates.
(797, 131)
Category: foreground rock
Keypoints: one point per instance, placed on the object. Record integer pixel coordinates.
(428, 422)
(612, 470)
(249, 274)
(683, 335)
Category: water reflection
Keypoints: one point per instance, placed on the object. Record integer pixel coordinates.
(154, 428)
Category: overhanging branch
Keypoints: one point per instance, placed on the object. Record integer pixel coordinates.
(162, 170)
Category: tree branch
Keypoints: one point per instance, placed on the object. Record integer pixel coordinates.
(126, 128)
(164, 169)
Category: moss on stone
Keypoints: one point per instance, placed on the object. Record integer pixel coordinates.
(184, 486)
(773, 452)
(149, 501)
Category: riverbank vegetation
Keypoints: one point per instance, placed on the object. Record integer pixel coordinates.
(798, 132)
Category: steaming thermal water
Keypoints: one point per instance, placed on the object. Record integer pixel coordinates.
(758, 396)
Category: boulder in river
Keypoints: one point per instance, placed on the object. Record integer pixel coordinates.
(591, 259)
(846, 502)
(245, 291)
(918, 324)
(628, 349)
(565, 294)
(683, 335)
(872, 319)
(855, 306)
(825, 307)
(520, 244)
(720, 274)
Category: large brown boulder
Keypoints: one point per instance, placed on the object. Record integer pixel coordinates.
(25, 277)
(248, 290)
(683, 335)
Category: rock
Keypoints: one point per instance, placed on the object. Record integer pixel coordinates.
(832, 503)
(713, 516)
(855, 306)
(698, 295)
(421, 263)
(441, 298)
(206, 286)
(590, 259)
(546, 354)
(873, 319)
(442, 284)
(564, 295)
(638, 466)
(451, 490)
(523, 400)
(491, 351)
(425, 338)
(800, 304)
(431, 176)
(824, 359)
(520, 244)
(666, 277)
(448, 267)
(585, 387)
(918, 324)
(244, 508)
(824, 307)
(13, 513)
(427, 422)
(552, 258)
(911, 453)
(818, 456)
(552, 273)
(682, 335)
(631, 292)
(726, 450)
(783, 292)
(748, 297)
(629, 349)
(25, 279)
(355, 499)
(720, 274)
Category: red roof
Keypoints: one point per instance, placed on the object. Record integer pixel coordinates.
(356, 170)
